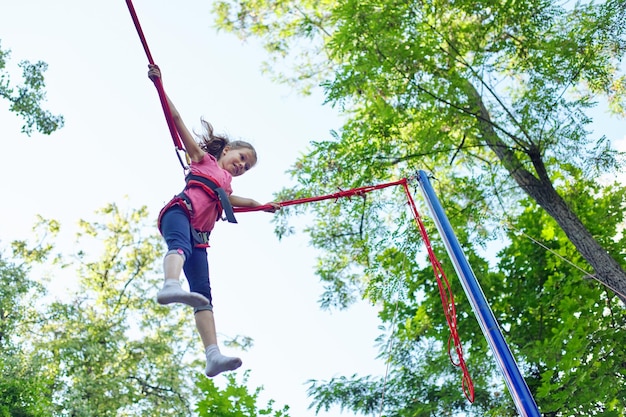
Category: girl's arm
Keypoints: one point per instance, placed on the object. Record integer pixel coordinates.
(237, 201)
(191, 146)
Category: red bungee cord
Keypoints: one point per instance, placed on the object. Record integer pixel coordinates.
(447, 300)
(445, 292)
(159, 85)
(335, 196)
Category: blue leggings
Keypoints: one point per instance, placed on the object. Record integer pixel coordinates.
(176, 230)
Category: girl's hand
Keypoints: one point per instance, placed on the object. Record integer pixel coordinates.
(274, 207)
(154, 73)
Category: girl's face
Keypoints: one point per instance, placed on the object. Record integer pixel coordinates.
(237, 161)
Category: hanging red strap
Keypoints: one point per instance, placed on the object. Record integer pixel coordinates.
(447, 300)
(158, 84)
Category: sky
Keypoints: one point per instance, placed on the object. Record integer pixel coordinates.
(116, 147)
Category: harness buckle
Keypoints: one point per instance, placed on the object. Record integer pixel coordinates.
(201, 238)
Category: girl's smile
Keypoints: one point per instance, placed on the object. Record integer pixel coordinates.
(237, 161)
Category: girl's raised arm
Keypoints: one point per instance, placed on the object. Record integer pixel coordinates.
(191, 146)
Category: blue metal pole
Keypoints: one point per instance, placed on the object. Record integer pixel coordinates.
(522, 397)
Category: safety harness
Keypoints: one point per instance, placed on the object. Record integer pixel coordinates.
(209, 186)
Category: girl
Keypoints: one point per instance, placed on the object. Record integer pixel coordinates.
(186, 221)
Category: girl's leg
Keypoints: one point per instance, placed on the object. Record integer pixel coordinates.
(197, 272)
(205, 323)
(176, 232)
(216, 363)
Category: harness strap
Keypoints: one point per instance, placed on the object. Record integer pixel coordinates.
(208, 184)
(200, 238)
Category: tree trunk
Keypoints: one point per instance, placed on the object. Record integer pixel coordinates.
(540, 188)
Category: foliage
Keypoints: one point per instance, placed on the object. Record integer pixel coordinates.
(565, 324)
(26, 99)
(109, 349)
(234, 400)
(493, 98)
(560, 323)
(24, 389)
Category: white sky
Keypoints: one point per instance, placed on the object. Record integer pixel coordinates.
(116, 143)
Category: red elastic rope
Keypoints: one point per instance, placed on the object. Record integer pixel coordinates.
(447, 300)
(445, 291)
(335, 196)
(157, 82)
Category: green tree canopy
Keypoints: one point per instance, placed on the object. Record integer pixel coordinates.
(235, 400)
(24, 386)
(493, 98)
(493, 95)
(108, 349)
(26, 99)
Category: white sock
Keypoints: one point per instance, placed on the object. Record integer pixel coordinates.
(172, 292)
(217, 363)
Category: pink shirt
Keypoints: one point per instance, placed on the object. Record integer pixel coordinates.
(205, 207)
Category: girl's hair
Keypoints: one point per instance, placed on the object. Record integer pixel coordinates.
(215, 144)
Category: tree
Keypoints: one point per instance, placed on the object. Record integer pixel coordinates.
(110, 349)
(235, 400)
(26, 99)
(569, 332)
(492, 97)
(563, 330)
(499, 90)
(24, 389)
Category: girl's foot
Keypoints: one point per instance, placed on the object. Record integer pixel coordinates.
(172, 292)
(217, 363)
